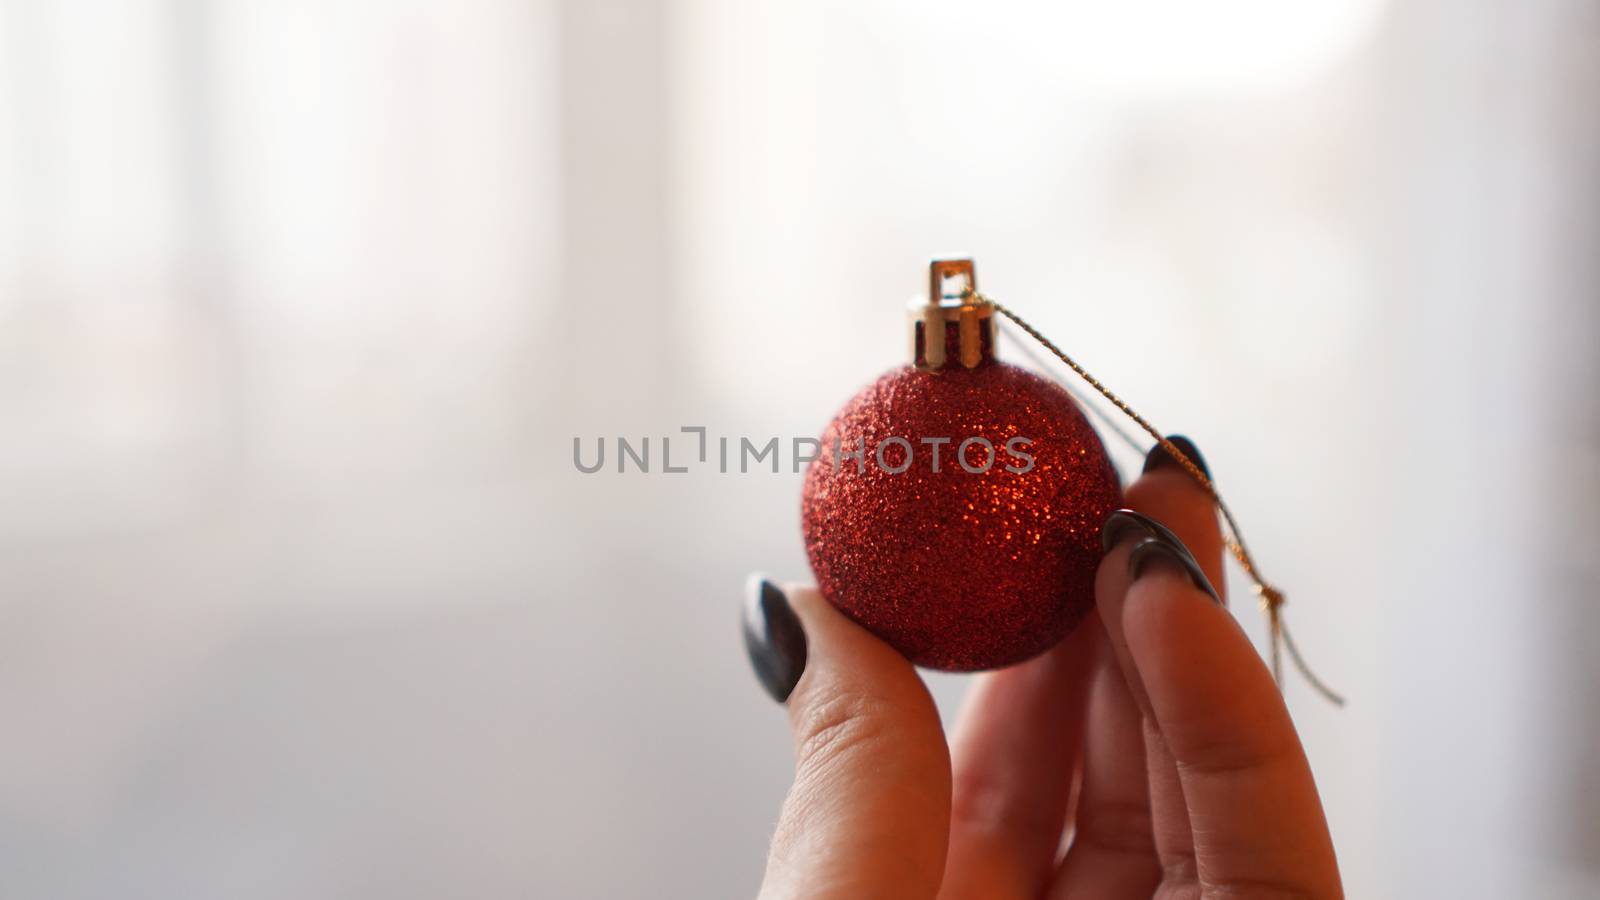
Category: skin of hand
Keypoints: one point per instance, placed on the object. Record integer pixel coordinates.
(1150, 754)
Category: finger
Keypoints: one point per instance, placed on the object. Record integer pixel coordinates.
(1169, 495)
(1254, 820)
(1113, 849)
(869, 812)
(1015, 752)
(1254, 813)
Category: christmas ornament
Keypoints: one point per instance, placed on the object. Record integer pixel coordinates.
(991, 560)
(956, 504)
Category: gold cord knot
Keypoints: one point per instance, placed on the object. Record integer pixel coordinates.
(1271, 598)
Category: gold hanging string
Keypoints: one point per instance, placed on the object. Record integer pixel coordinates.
(1270, 597)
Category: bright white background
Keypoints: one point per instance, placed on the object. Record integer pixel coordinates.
(302, 304)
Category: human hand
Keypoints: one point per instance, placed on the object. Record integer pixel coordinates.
(1150, 754)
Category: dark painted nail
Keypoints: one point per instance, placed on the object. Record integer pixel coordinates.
(773, 637)
(1155, 549)
(1123, 522)
(1159, 458)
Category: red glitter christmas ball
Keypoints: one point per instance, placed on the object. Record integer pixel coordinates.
(990, 559)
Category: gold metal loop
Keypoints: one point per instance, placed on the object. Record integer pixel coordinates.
(971, 316)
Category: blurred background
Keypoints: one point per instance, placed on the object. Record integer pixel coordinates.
(303, 304)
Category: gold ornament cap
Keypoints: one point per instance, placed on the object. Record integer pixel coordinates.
(952, 327)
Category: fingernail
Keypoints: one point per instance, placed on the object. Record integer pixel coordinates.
(773, 637)
(1159, 458)
(1161, 549)
(1123, 522)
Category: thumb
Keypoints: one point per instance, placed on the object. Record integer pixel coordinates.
(869, 812)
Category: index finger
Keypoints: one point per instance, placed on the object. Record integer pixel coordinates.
(1254, 815)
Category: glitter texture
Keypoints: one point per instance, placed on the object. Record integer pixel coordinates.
(959, 570)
